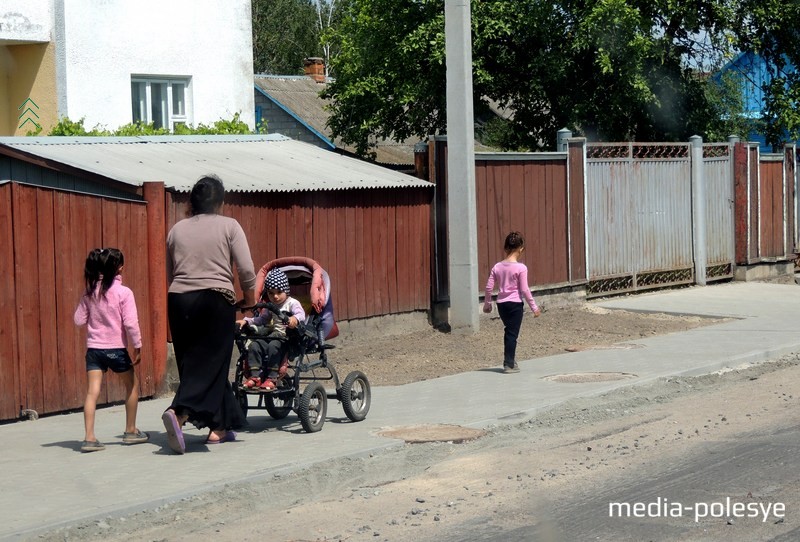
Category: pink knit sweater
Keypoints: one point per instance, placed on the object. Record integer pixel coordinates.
(511, 279)
(109, 317)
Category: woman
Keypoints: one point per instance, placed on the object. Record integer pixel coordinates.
(201, 304)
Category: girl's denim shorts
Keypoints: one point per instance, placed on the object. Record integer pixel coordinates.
(116, 359)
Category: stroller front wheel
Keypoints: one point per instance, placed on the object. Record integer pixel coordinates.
(355, 396)
(313, 407)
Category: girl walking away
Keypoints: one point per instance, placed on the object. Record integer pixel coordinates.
(511, 278)
(108, 310)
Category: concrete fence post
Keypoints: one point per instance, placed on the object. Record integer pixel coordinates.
(698, 211)
(562, 140)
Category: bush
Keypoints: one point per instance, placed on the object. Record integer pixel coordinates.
(67, 127)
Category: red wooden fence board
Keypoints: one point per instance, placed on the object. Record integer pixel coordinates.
(392, 287)
(45, 248)
(360, 262)
(755, 237)
(10, 400)
(29, 309)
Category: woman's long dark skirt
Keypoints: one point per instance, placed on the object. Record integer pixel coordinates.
(202, 326)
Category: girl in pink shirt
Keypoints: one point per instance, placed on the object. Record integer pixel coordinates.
(511, 278)
(108, 310)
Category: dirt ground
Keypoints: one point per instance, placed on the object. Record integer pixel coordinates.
(400, 359)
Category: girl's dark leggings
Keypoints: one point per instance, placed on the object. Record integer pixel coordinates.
(511, 315)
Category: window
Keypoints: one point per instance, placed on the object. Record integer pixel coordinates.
(160, 101)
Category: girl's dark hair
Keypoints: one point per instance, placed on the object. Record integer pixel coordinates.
(207, 195)
(514, 240)
(102, 266)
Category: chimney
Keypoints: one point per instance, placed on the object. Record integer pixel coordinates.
(314, 67)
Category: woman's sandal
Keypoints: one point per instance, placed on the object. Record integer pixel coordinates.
(230, 436)
(174, 433)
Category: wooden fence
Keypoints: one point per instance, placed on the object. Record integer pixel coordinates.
(375, 245)
(46, 235)
(619, 216)
(385, 250)
(538, 194)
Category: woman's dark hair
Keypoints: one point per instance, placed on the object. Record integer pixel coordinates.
(514, 240)
(102, 265)
(207, 195)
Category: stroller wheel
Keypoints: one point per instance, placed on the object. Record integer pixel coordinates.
(355, 396)
(313, 407)
(277, 406)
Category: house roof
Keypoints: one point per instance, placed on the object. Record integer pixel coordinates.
(299, 96)
(246, 163)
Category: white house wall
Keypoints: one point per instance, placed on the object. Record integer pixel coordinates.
(106, 42)
(25, 21)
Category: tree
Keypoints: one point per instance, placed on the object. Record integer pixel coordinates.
(612, 70)
(285, 32)
(769, 28)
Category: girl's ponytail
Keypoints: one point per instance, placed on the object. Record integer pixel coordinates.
(92, 270)
(111, 262)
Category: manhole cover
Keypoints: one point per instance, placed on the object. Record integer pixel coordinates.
(581, 378)
(433, 433)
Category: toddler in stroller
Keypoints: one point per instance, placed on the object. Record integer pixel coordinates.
(266, 353)
(300, 386)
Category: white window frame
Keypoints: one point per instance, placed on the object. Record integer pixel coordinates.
(171, 117)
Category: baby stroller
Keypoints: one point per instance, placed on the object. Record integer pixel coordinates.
(310, 285)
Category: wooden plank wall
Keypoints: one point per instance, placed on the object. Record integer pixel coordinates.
(771, 232)
(10, 401)
(374, 244)
(47, 235)
(529, 197)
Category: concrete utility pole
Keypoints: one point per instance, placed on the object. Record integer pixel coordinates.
(462, 229)
(698, 211)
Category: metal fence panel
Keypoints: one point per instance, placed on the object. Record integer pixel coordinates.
(638, 215)
(718, 174)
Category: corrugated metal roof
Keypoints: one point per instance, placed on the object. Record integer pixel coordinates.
(246, 163)
(300, 95)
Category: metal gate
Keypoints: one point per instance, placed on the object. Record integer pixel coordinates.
(639, 215)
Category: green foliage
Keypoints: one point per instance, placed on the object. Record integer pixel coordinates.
(235, 125)
(67, 127)
(609, 70)
(285, 32)
(283, 35)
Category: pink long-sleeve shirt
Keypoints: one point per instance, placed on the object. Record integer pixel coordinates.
(110, 318)
(511, 279)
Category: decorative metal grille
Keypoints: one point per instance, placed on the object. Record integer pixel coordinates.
(627, 283)
(639, 150)
(660, 151)
(611, 285)
(716, 272)
(659, 278)
(716, 151)
(608, 151)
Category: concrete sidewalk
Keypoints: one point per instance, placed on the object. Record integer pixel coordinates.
(48, 483)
